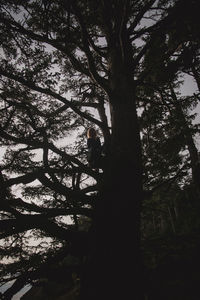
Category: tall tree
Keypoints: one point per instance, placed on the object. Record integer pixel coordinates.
(89, 49)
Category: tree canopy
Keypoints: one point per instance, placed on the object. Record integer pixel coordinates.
(117, 66)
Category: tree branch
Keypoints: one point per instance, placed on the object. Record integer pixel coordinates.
(51, 146)
(86, 41)
(63, 190)
(140, 15)
(168, 181)
(27, 222)
(68, 104)
(15, 26)
(49, 212)
(39, 272)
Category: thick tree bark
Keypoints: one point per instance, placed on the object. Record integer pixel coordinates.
(114, 267)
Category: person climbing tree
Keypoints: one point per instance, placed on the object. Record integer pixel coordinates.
(94, 149)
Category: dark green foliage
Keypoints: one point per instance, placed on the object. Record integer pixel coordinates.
(63, 64)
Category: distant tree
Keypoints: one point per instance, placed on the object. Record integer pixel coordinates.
(170, 156)
(168, 131)
(60, 62)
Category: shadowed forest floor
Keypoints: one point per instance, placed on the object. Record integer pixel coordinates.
(172, 272)
(173, 267)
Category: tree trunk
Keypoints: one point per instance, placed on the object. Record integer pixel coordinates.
(189, 141)
(171, 220)
(114, 269)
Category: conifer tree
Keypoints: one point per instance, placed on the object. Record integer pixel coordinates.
(61, 61)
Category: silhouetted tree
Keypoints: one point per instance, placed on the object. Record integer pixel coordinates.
(60, 61)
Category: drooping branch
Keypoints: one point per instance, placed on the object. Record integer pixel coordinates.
(91, 72)
(39, 145)
(86, 40)
(27, 222)
(16, 27)
(168, 182)
(56, 186)
(25, 179)
(47, 212)
(49, 92)
(63, 190)
(39, 272)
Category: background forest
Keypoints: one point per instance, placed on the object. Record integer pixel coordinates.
(66, 66)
